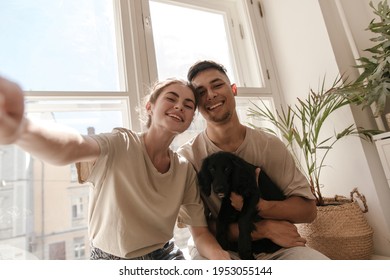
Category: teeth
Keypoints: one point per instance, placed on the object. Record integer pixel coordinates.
(215, 106)
(175, 117)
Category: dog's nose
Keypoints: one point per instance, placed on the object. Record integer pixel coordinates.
(218, 188)
(221, 195)
(219, 191)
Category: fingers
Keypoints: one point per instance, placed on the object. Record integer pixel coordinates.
(11, 110)
(11, 98)
(283, 233)
(2, 102)
(237, 201)
(258, 170)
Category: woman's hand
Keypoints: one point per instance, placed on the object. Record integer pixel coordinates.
(11, 111)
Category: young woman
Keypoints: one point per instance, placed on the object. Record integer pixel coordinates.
(140, 187)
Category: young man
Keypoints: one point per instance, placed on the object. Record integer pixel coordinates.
(225, 132)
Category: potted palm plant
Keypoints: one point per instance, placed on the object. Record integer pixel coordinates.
(372, 87)
(302, 128)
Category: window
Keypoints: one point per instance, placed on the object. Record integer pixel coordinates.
(57, 251)
(184, 32)
(187, 31)
(81, 57)
(86, 65)
(79, 248)
(6, 224)
(174, 30)
(77, 208)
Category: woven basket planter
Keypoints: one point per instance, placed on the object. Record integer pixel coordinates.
(340, 231)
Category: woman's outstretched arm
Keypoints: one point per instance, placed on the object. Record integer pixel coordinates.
(53, 144)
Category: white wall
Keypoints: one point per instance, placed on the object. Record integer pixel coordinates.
(303, 54)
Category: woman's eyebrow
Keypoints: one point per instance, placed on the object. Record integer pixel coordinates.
(177, 95)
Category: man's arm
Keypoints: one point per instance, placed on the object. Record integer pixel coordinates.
(294, 209)
(283, 233)
(278, 220)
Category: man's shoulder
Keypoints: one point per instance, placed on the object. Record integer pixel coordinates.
(192, 144)
(262, 135)
(194, 150)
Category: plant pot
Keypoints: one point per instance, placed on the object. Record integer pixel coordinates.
(340, 231)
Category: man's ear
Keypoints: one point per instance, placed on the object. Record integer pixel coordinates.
(234, 89)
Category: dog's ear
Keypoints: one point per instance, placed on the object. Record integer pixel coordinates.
(236, 174)
(204, 178)
(243, 176)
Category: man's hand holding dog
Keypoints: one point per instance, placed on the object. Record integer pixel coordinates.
(236, 200)
(283, 233)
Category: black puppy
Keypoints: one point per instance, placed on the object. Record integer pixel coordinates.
(226, 173)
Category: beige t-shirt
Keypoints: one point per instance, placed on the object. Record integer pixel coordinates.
(258, 148)
(133, 207)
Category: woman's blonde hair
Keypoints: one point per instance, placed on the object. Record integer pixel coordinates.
(154, 92)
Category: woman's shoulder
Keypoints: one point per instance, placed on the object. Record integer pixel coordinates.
(118, 139)
(125, 134)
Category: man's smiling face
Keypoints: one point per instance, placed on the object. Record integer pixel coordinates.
(216, 97)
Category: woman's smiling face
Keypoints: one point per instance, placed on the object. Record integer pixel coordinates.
(174, 108)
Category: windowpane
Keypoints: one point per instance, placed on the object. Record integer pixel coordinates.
(87, 116)
(59, 45)
(243, 104)
(174, 31)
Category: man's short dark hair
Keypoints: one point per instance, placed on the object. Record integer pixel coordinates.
(203, 65)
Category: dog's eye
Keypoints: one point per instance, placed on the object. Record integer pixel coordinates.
(212, 170)
(227, 169)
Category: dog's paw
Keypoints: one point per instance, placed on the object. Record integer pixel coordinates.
(247, 255)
